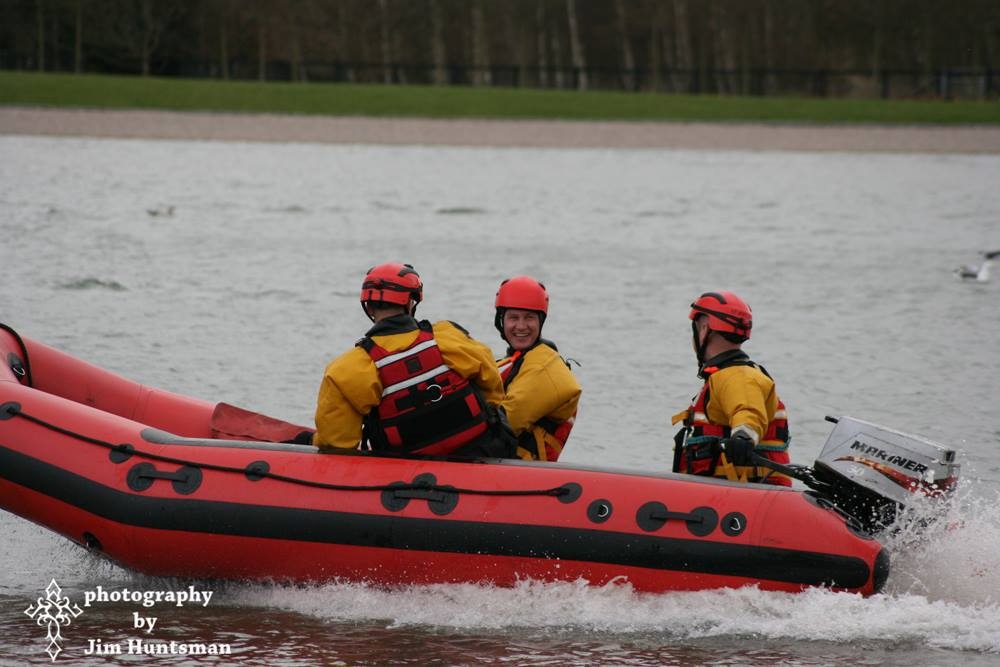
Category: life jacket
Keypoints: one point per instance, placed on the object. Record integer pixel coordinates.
(545, 440)
(696, 445)
(426, 408)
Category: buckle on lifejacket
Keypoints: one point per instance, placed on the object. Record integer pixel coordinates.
(702, 457)
(703, 450)
(416, 398)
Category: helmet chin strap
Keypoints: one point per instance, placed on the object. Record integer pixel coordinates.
(701, 346)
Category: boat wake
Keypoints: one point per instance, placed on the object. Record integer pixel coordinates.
(949, 557)
(532, 609)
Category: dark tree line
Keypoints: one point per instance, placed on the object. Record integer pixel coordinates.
(725, 46)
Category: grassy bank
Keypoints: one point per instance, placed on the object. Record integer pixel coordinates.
(121, 92)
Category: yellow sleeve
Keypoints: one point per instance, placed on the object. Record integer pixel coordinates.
(350, 390)
(469, 358)
(740, 395)
(543, 387)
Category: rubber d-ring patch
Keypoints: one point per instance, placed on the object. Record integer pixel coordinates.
(600, 510)
(121, 453)
(257, 470)
(734, 523)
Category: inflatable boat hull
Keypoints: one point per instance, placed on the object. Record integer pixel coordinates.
(86, 454)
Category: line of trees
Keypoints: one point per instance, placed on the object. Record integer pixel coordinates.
(724, 46)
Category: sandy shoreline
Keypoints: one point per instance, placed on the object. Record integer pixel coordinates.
(499, 133)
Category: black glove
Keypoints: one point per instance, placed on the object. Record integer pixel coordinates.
(738, 449)
(502, 430)
(501, 416)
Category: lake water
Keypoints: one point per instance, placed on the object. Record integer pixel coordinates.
(230, 271)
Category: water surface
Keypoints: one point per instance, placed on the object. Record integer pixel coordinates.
(230, 271)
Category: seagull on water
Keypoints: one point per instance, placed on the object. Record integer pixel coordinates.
(167, 211)
(980, 273)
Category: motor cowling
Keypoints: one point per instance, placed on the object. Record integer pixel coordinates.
(874, 472)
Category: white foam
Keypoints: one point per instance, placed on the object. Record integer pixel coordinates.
(815, 614)
(956, 557)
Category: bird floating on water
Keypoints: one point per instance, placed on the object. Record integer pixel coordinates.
(980, 273)
(166, 211)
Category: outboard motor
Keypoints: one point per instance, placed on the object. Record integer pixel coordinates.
(873, 473)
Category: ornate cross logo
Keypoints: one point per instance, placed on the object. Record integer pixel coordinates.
(54, 610)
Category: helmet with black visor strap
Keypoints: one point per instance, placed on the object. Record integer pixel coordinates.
(392, 283)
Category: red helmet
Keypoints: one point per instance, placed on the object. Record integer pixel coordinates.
(521, 292)
(392, 283)
(726, 312)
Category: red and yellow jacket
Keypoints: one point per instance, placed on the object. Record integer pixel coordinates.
(352, 388)
(737, 394)
(541, 400)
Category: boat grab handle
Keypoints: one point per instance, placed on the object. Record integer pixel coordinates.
(700, 521)
(185, 479)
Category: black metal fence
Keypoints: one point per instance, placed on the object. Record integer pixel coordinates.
(951, 83)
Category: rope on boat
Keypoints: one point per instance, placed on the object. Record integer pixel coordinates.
(13, 409)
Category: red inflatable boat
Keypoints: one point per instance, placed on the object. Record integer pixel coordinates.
(174, 486)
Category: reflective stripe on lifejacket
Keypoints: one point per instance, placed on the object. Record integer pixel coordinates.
(426, 407)
(409, 352)
(699, 439)
(399, 386)
(505, 369)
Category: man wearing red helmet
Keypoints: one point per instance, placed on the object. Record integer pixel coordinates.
(737, 415)
(410, 387)
(542, 393)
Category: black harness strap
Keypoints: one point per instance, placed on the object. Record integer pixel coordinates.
(706, 450)
(515, 369)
